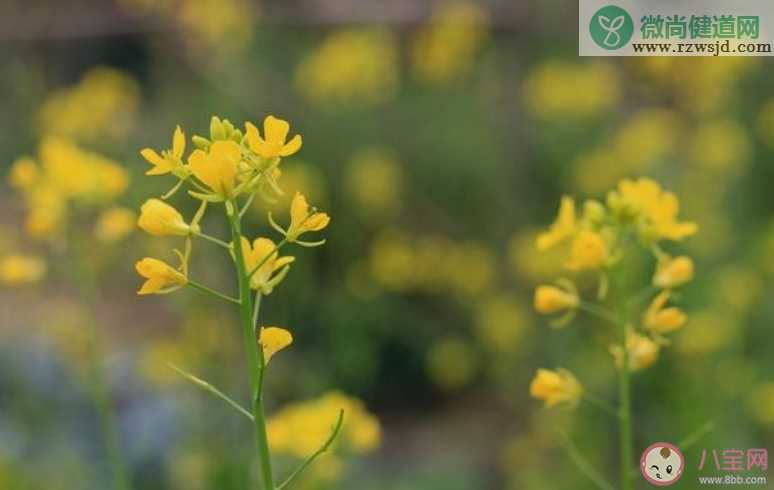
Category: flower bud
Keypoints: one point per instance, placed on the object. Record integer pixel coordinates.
(673, 272)
(555, 387)
(551, 299)
(159, 218)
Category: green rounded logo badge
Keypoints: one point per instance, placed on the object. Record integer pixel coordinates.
(611, 27)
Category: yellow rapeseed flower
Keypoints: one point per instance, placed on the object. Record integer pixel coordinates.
(653, 211)
(552, 299)
(304, 219)
(169, 160)
(24, 173)
(218, 167)
(273, 340)
(161, 277)
(20, 269)
(272, 145)
(562, 228)
(159, 218)
(555, 387)
(642, 350)
(661, 320)
(263, 252)
(114, 224)
(673, 271)
(588, 251)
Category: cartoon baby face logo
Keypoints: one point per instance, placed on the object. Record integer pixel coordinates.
(662, 464)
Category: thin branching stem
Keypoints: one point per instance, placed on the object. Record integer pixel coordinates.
(212, 239)
(583, 465)
(316, 454)
(208, 290)
(208, 387)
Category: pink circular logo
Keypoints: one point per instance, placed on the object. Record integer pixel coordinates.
(662, 464)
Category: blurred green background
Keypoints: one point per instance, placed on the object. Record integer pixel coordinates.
(439, 136)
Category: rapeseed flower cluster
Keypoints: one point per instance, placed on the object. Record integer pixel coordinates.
(228, 170)
(602, 239)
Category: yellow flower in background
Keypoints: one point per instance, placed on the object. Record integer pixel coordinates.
(170, 161)
(273, 340)
(654, 211)
(673, 271)
(159, 218)
(760, 403)
(21, 269)
(660, 320)
(161, 277)
(552, 299)
(642, 351)
(358, 65)
(720, 146)
(24, 174)
(304, 219)
(449, 43)
(103, 103)
(300, 429)
(588, 251)
(562, 228)
(375, 180)
(555, 387)
(114, 224)
(217, 168)
(502, 323)
(556, 90)
(272, 145)
(46, 214)
(451, 363)
(264, 252)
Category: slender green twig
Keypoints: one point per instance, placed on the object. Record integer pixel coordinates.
(211, 389)
(255, 359)
(598, 311)
(583, 465)
(696, 435)
(212, 239)
(246, 205)
(643, 295)
(601, 404)
(208, 290)
(317, 453)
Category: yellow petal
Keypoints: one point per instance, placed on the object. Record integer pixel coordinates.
(152, 157)
(275, 130)
(299, 209)
(292, 146)
(273, 340)
(178, 143)
(254, 139)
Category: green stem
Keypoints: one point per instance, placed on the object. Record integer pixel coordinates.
(600, 404)
(598, 311)
(202, 287)
(86, 280)
(310, 459)
(211, 389)
(583, 465)
(254, 354)
(625, 416)
(212, 239)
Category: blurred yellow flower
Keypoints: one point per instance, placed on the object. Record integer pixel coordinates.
(660, 320)
(562, 228)
(169, 160)
(358, 65)
(555, 387)
(161, 277)
(642, 351)
(451, 363)
(24, 174)
(217, 168)
(264, 252)
(556, 90)
(114, 224)
(502, 322)
(375, 181)
(273, 340)
(720, 146)
(21, 269)
(159, 218)
(304, 219)
(300, 429)
(103, 103)
(653, 211)
(760, 403)
(673, 271)
(272, 145)
(552, 299)
(449, 43)
(588, 251)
